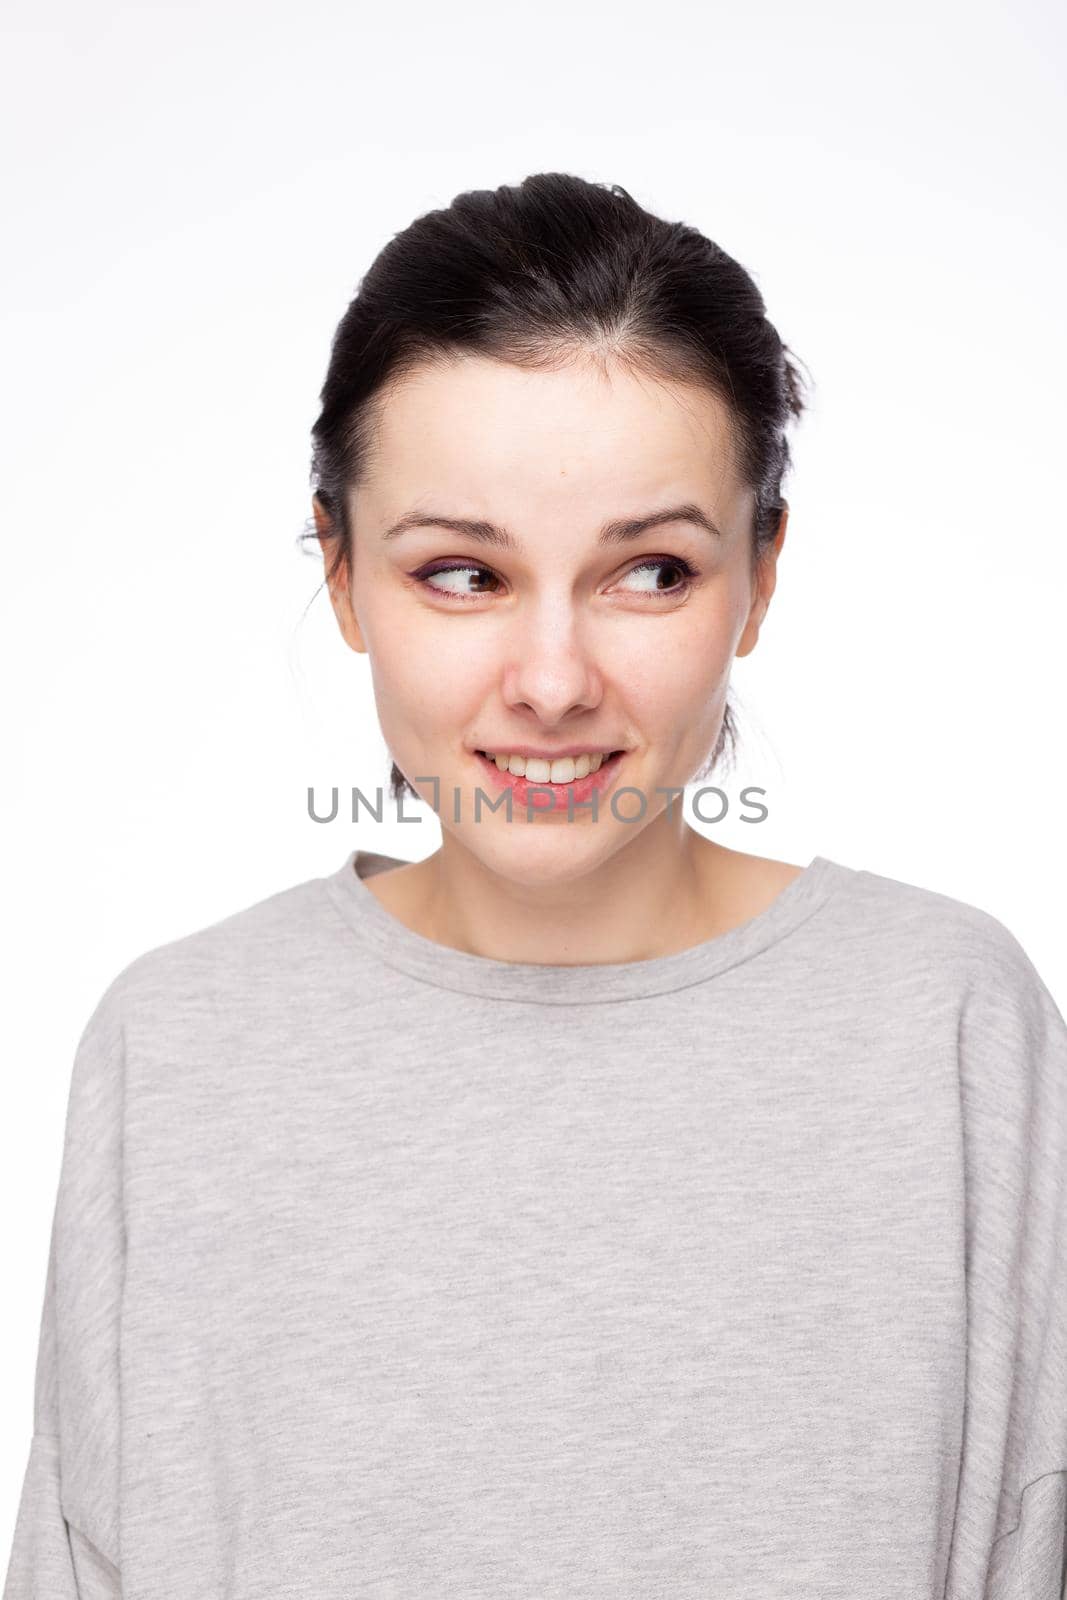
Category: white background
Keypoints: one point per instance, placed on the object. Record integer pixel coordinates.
(192, 193)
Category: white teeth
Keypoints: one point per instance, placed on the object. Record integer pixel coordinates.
(565, 770)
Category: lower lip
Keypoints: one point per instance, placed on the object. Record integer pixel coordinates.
(549, 796)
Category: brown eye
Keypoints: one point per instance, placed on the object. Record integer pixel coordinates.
(460, 591)
(676, 563)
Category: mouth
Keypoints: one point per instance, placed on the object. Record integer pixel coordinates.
(577, 790)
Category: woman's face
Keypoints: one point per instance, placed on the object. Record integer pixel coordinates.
(556, 623)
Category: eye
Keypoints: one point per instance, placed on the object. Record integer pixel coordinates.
(462, 589)
(459, 591)
(678, 563)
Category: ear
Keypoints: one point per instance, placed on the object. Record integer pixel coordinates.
(766, 578)
(340, 585)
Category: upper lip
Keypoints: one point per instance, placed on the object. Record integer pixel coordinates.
(551, 755)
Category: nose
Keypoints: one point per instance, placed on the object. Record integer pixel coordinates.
(550, 667)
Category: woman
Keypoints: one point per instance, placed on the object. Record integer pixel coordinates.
(588, 1209)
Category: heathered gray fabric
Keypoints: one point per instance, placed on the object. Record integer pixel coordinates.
(383, 1269)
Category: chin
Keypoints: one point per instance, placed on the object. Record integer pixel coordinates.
(535, 855)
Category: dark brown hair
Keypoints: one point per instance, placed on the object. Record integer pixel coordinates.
(536, 273)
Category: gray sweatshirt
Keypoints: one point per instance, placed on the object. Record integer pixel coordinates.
(379, 1268)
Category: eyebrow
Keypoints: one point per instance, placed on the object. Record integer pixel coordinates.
(617, 532)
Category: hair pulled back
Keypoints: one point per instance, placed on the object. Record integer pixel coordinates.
(536, 274)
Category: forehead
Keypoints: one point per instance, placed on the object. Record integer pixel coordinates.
(492, 435)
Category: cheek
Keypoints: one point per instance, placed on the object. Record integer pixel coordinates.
(678, 679)
(428, 681)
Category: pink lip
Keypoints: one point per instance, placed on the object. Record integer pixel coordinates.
(553, 796)
(528, 751)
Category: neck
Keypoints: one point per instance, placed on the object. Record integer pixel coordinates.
(664, 890)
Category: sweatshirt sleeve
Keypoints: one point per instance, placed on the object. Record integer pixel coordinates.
(66, 1544)
(1010, 1539)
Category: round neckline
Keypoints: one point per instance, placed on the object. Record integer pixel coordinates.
(587, 983)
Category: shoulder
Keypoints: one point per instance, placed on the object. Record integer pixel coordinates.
(250, 958)
(918, 927)
(948, 961)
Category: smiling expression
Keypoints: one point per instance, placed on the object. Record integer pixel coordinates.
(552, 561)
